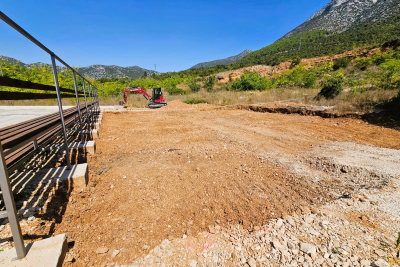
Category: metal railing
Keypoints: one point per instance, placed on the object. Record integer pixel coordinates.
(91, 109)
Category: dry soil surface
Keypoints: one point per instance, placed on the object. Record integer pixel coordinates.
(204, 173)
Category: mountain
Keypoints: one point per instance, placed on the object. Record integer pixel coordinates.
(95, 71)
(9, 60)
(102, 71)
(342, 25)
(225, 61)
(340, 15)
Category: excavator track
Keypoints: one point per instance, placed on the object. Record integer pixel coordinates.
(156, 105)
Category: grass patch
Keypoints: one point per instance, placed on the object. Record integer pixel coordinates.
(196, 101)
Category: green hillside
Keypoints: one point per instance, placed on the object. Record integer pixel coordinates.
(321, 43)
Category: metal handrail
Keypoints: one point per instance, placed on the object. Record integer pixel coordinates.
(4, 176)
(19, 29)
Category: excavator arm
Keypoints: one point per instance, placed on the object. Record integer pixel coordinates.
(134, 90)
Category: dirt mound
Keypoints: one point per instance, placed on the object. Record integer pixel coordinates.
(297, 108)
(176, 104)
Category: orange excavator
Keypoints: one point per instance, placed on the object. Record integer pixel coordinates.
(155, 101)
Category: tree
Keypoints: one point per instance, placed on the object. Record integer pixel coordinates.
(195, 87)
(332, 86)
(209, 83)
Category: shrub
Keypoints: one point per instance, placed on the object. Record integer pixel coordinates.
(176, 91)
(310, 80)
(389, 74)
(363, 63)
(296, 61)
(332, 86)
(196, 101)
(209, 83)
(195, 87)
(251, 81)
(341, 63)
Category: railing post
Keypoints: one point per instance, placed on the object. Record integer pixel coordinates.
(78, 107)
(10, 207)
(97, 101)
(94, 98)
(84, 93)
(91, 103)
(35, 145)
(53, 62)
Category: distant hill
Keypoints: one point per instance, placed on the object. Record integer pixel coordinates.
(102, 71)
(340, 26)
(225, 61)
(96, 71)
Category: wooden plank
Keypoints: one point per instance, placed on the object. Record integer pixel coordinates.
(10, 82)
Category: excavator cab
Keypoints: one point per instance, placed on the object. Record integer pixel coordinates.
(157, 95)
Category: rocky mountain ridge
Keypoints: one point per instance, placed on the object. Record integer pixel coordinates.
(340, 15)
(95, 71)
(225, 61)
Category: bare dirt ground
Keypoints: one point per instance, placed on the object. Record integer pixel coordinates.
(217, 177)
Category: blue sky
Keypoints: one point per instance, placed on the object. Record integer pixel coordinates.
(175, 35)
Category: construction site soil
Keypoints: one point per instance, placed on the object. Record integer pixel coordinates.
(183, 169)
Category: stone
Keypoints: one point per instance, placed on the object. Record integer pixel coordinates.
(211, 229)
(307, 248)
(252, 262)
(314, 210)
(291, 245)
(192, 263)
(101, 250)
(295, 251)
(362, 199)
(365, 263)
(243, 260)
(279, 223)
(28, 213)
(381, 263)
(31, 218)
(115, 253)
(380, 253)
(69, 258)
(21, 212)
(336, 244)
(277, 244)
(309, 219)
(291, 221)
(313, 232)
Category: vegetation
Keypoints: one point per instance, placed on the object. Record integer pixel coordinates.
(209, 83)
(362, 82)
(322, 43)
(196, 101)
(195, 87)
(251, 81)
(332, 86)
